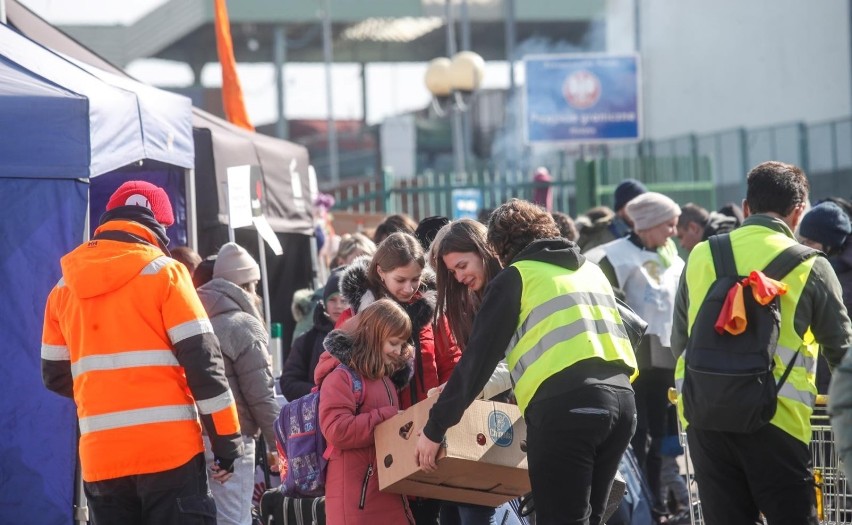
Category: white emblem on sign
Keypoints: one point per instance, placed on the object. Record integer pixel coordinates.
(582, 89)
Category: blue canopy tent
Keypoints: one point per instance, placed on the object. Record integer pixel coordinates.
(61, 128)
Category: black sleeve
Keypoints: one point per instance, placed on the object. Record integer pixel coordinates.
(608, 270)
(202, 361)
(493, 329)
(57, 377)
(296, 380)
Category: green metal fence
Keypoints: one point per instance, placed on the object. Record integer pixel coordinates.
(707, 169)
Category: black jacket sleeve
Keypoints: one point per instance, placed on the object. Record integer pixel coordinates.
(493, 329)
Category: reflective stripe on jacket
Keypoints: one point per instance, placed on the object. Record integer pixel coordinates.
(566, 317)
(754, 247)
(126, 325)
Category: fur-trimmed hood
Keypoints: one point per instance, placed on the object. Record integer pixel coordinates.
(356, 290)
(338, 349)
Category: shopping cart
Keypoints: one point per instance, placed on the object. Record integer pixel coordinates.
(834, 501)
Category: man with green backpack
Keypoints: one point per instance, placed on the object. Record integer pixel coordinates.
(752, 311)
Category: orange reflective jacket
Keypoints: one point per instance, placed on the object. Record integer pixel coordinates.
(126, 326)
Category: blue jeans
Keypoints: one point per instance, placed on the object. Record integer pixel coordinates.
(466, 514)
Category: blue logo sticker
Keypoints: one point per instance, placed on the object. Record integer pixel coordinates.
(500, 428)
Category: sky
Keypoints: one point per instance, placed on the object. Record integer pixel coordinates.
(391, 88)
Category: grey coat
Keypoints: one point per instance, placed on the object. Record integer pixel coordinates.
(244, 344)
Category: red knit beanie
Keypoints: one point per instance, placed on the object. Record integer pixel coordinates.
(141, 193)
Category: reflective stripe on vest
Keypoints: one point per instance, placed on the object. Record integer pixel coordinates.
(55, 353)
(566, 317)
(215, 404)
(561, 302)
(121, 360)
(798, 393)
(154, 267)
(563, 333)
(190, 328)
(141, 416)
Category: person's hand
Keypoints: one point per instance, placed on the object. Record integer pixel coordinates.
(434, 391)
(272, 461)
(219, 474)
(426, 453)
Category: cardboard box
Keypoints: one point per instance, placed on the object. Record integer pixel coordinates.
(483, 459)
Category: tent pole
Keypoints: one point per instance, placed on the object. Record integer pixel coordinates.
(191, 219)
(264, 274)
(3, 11)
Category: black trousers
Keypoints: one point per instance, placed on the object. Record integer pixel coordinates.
(175, 497)
(741, 475)
(652, 402)
(575, 441)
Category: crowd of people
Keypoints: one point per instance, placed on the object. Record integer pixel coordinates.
(169, 366)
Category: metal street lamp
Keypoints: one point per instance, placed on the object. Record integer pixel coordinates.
(452, 84)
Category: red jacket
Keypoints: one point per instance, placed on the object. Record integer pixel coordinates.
(433, 363)
(352, 484)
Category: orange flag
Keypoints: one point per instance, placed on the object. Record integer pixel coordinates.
(232, 92)
(732, 317)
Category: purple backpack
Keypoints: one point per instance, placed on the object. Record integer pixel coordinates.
(303, 445)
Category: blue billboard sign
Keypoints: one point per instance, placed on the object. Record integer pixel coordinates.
(466, 203)
(582, 99)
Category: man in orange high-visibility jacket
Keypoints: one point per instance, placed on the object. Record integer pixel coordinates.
(126, 335)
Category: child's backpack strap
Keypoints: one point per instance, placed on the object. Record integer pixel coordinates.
(357, 386)
(358, 390)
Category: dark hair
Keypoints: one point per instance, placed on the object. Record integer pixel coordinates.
(691, 212)
(455, 300)
(565, 224)
(776, 187)
(186, 256)
(397, 250)
(515, 224)
(734, 211)
(394, 223)
(204, 271)
(377, 323)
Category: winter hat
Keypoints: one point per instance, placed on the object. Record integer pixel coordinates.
(332, 285)
(236, 265)
(826, 224)
(628, 190)
(145, 194)
(428, 228)
(650, 209)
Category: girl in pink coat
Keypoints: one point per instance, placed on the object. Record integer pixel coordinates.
(377, 351)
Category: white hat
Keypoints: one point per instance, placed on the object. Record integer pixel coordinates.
(650, 209)
(236, 265)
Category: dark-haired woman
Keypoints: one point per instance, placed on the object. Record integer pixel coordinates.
(554, 318)
(464, 265)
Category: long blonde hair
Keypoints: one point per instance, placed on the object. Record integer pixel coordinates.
(378, 322)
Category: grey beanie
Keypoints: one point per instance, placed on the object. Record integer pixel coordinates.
(650, 209)
(236, 265)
